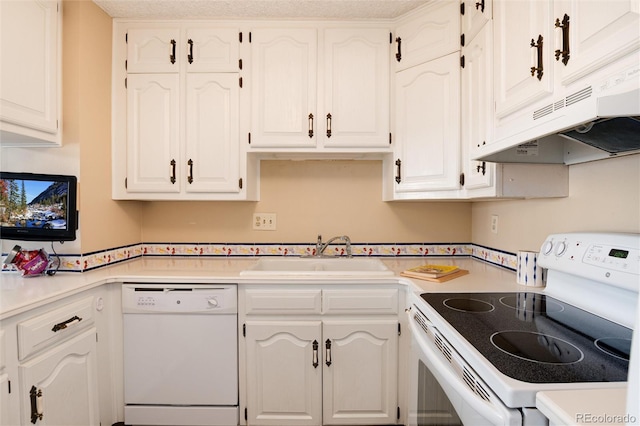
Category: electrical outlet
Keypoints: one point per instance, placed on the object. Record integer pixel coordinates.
(494, 223)
(264, 221)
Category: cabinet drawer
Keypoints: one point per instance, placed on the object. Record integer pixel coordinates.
(43, 330)
(266, 302)
(369, 301)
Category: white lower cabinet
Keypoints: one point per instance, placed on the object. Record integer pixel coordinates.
(323, 368)
(60, 387)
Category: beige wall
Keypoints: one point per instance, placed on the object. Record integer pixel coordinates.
(311, 197)
(87, 90)
(603, 196)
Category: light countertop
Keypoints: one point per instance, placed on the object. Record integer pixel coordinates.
(584, 407)
(18, 294)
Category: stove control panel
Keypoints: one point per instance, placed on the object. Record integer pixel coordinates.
(604, 257)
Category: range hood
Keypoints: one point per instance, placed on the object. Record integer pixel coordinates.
(580, 127)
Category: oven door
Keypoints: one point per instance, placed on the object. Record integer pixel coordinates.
(443, 390)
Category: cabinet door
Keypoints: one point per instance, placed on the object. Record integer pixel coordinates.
(211, 49)
(152, 133)
(356, 88)
(599, 33)
(474, 15)
(360, 372)
(516, 24)
(477, 108)
(154, 50)
(66, 376)
(284, 79)
(212, 157)
(428, 126)
(285, 373)
(29, 70)
(434, 33)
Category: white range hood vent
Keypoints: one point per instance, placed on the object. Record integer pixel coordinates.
(587, 128)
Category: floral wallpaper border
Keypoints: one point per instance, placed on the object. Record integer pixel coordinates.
(90, 261)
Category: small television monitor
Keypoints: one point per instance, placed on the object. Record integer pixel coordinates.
(38, 207)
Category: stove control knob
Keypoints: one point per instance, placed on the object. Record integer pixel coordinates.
(561, 248)
(547, 247)
(213, 302)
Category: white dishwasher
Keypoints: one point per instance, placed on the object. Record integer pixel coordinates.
(180, 354)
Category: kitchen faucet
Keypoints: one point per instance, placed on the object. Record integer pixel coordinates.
(321, 247)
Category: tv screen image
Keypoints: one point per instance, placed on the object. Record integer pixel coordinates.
(37, 206)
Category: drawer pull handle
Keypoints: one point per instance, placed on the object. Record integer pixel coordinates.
(327, 346)
(172, 57)
(315, 354)
(537, 68)
(399, 53)
(61, 326)
(36, 404)
(190, 55)
(329, 125)
(310, 125)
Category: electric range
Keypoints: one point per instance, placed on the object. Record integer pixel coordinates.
(576, 333)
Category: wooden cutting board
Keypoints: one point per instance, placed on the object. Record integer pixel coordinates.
(456, 274)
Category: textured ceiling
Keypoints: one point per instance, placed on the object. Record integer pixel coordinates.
(265, 9)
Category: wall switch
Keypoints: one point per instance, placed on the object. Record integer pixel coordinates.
(264, 221)
(494, 223)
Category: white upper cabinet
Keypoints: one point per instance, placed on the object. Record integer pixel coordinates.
(427, 151)
(432, 33)
(523, 73)
(474, 15)
(599, 32)
(356, 88)
(284, 84)
(178, 137)
(320, 88)
(30, 80)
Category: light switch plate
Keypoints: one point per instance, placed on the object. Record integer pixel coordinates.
(264, 221)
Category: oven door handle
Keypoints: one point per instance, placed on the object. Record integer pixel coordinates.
(455, 387)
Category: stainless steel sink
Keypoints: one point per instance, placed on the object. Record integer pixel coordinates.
(317, 266)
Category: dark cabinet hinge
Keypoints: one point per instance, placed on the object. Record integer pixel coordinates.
(240, 183)
(125, 183)
(126, 64)
(249, 137)
(390, 38)
(398, 414)
(399, 329)
(240, 36)
(240, 63)
(462, 8)
(244, 330)
(240, 82)
(126, 37)
(461, 179)
(249, 36)
(245, 413)
(390, 139)
(9, 385)
(462, 40)
(462, 61)
(125, 82)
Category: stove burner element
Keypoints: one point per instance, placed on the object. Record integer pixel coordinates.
(531, 302)
(468, 305)
(615, 347)
(536, 347)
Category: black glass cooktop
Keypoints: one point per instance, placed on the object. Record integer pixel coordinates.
(538, 339)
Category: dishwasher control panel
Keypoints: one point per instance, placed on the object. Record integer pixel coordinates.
(179, 298)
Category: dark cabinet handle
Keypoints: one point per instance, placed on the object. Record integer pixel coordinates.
(35, 395)
(537, 69)
(172, 57)
(327, 353)
(480, 5)
(564, 25)
(310, 125)
(173, 171)
(399, 52)
(398, 175)
(329, 125)
(190, 55)
(482, 168)
(65, 324)
(315, 354)
(190, 177)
